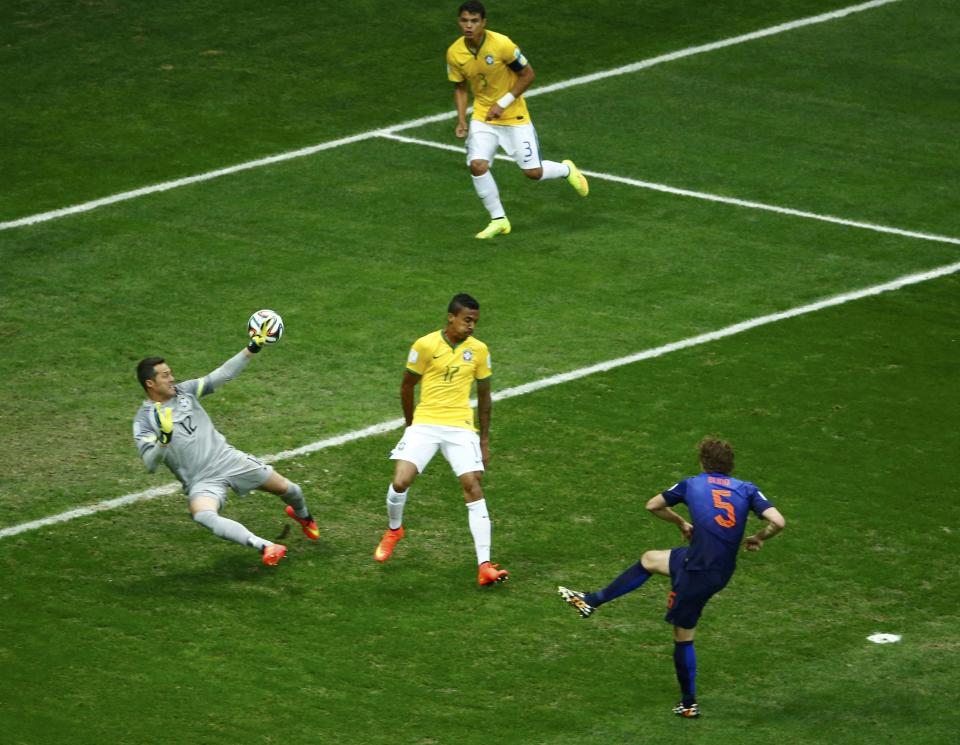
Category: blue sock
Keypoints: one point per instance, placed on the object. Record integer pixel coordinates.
(626, 582)
(685, 660)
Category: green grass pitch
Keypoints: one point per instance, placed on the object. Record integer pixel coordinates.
(135, 626)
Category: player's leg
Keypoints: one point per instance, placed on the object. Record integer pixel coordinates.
(461, 448)
(652, 562)
(404, 474)
(585, 603)
(482, 142)
(205, 509)
(478, 518)
(411, 456)
(292, 495)
(690, 592)
(685, 664)
(524, 148)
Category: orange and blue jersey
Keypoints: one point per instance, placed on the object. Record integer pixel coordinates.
(719, 505)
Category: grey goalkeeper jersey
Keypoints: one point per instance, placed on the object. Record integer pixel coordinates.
(197, 451)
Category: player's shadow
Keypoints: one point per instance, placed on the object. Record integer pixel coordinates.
(221, 576)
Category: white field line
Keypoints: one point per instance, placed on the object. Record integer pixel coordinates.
(705, 196)
(520, 390)
(562, 85)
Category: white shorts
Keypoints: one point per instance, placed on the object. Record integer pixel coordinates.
(420, 442)
(519, 142)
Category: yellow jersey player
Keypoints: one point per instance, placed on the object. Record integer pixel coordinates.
(498, 75)
(445, 364)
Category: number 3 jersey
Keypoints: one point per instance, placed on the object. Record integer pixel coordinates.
(446, 375)
(197, 451)
(491, 71)
(718, 505)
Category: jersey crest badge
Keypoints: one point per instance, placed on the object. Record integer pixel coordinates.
(489, 59)
(467, 355)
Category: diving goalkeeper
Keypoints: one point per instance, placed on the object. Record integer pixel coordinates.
(172, 427)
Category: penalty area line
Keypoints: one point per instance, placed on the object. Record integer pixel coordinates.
(447, 115)
(520, 390)
(705, 196)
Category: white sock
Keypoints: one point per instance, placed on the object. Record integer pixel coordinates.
(489, 194)
(552, 169)
(229, 530)
(481, 528)
(395, 502)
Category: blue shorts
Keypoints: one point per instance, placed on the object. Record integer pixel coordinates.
(690, 590)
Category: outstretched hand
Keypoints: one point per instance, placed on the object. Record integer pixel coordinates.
(164, 419)
(752, 543)
(258, 339)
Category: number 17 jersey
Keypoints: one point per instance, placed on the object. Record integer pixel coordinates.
(447, 372)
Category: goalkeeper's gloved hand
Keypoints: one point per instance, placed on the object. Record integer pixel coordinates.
(258, 339)
(164, 419)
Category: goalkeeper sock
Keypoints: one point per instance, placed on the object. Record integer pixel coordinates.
(552, 170)
(229, 530)
(685, 662)
(489, 194)
(630, 580)
(395, 502)
(294, 497)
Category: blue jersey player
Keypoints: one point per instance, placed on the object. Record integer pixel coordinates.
(718, 505)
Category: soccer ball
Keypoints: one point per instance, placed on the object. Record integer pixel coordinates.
(274, 325)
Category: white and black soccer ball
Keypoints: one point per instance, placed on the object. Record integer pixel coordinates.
(274, 325)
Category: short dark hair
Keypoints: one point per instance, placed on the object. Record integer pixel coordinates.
(461, 301)
(147, 369)
(716, 455)
(472, 6)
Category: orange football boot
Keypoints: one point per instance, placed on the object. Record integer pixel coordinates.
(492, 574)
(273, 554)
(309, 525)
(387, 544)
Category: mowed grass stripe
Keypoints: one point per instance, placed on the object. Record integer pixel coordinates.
(412, 124)
(519, 390)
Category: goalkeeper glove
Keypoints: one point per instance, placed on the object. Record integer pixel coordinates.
(164, 419)
(258, 339)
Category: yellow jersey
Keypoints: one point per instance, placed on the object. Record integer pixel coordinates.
(446, 375)
(491, 72)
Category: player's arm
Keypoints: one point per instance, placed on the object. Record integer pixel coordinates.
(460, 100)
(484, 408)
(223, 374)
(775, 523)
(148, 441)
(407, 386)
(660, 508)
(525, 77)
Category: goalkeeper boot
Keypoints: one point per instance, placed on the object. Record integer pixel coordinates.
(273, 553)
(491, 574)
(496, 227)
(387, 544)
(576, 179)
(577, 601)
(309, 525)
(687, 712)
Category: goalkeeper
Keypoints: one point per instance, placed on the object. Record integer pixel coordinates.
(172, 427)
